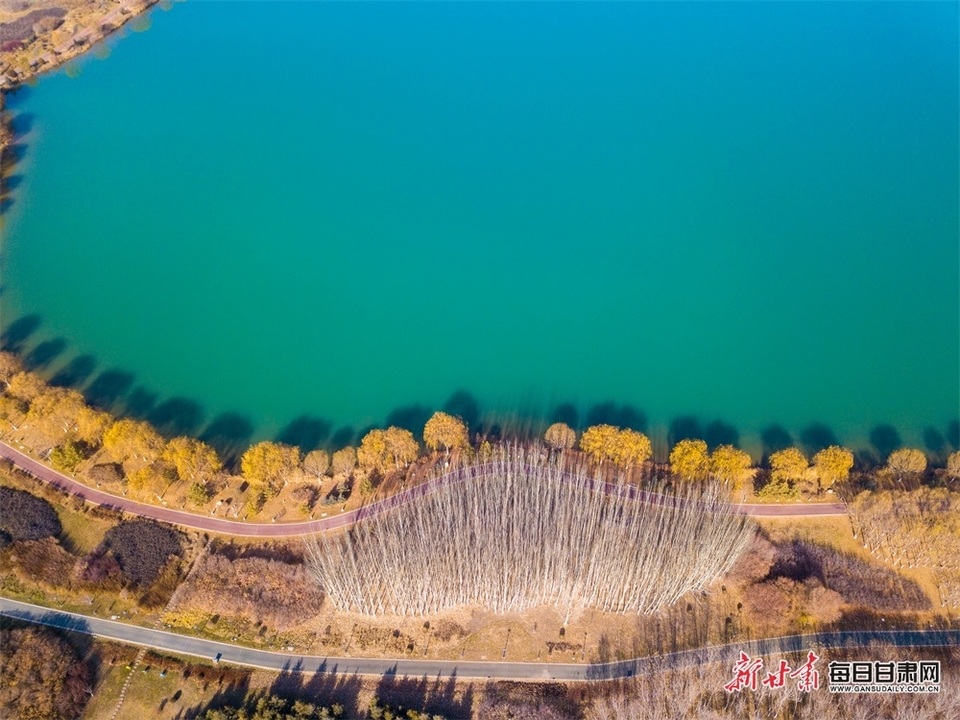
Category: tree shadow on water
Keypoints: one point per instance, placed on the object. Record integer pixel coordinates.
(774, 438)
(720, 433)
(15, 336)
(306, 432)
(953, 434)
(44, 353)
(885, 439)
(75, 373)
(229, 434)
(464, 405)
(342, 437)
(410, 417)
(623, 416)
(685, 427)
(140, 402)
(109, 388)
(566, 413)
(936, 444)
(817, 436)
(177, 416)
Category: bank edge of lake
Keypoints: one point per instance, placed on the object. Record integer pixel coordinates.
(49, 43)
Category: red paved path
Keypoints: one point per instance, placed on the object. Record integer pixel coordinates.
(237, 527)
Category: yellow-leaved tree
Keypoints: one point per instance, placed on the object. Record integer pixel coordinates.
(953, 465)
(729, 464)
(381, 448)
(194, 460)
(445, 431)
(25, 386)
(13, 411)
(402, 446)
(832, 465)
(54, 413)
(560, 436)
(92, 424)
(632, 448)
(690, 460)
(788, 465)
(9, 366)
(905, 462)
(599, 442)
(129, 439)
(267, 464)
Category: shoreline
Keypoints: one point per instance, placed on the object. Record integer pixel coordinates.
(31, 50)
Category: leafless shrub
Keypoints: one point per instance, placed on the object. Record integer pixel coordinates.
(518, 532)
(277, 593)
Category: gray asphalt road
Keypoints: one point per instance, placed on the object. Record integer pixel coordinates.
(209, 523)
(291, 662)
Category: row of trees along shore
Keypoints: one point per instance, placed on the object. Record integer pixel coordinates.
(58, 424)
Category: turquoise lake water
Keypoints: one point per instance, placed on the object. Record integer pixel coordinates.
(303, 219)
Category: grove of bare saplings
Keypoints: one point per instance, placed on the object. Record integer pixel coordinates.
(519, 531)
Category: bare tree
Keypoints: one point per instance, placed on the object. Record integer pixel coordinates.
(518, 531)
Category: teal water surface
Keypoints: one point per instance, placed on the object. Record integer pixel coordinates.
(303, 219)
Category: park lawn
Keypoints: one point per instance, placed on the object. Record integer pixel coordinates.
(112, 676)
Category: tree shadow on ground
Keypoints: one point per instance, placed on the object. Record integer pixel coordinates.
(233, 693)
(306, 432)
(423, 694)
(321, 688)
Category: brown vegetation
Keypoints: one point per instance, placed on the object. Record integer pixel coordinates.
(26, 517)
(41, 676)
(142, 548)
(270, 591)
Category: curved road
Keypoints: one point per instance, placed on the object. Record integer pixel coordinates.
(245, 529)
(182, 644)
